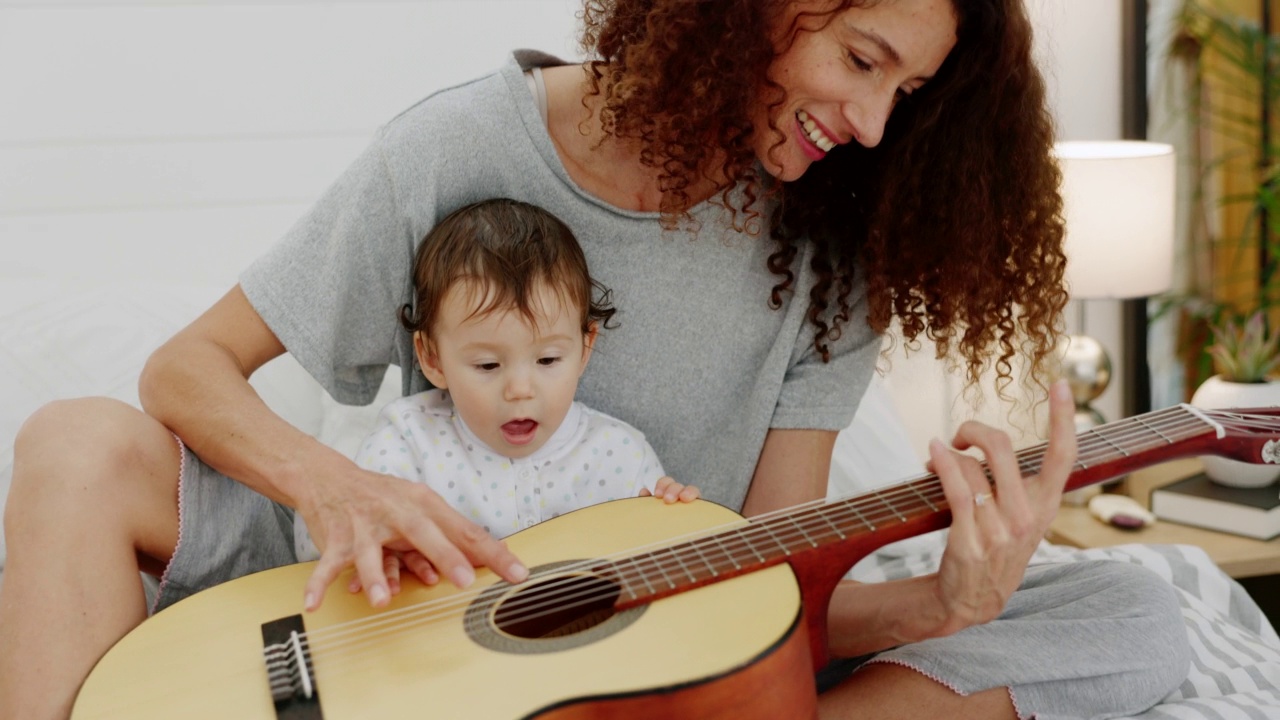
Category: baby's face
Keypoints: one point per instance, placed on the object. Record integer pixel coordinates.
(511, 381)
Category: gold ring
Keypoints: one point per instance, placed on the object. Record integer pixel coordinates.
(981, 499)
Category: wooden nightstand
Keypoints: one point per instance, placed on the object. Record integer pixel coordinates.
(1238, 556)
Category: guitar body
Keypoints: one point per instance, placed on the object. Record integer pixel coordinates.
(732, 649)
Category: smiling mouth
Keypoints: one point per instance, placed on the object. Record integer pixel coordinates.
(814, 133)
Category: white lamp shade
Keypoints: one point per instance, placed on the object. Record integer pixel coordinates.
(1118, 199)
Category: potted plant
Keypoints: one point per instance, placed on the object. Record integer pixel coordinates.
(1225, 64)
(1246, 357)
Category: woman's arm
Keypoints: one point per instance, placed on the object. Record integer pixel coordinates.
(197, 385)
(792, 469)
(988, 546)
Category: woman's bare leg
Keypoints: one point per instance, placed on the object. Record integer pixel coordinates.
(94, 500)
(889, 692)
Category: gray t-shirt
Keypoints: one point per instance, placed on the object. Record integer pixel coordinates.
(699, 362)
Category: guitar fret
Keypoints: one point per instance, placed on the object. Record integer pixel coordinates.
(892, 509)
(620, 577)
(785, 550)
(712, 571)
(671, 584)
(862, 518)
(750, 545)
(805, 535)
(723, 549)
(643, 577)
(630, 589)
(1161, 435)
(1107, 440)
(680, 561)
(920, 495)
(835, 527)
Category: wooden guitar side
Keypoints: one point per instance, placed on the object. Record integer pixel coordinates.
(730, 649)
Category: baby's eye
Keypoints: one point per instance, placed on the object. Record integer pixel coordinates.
(548, 360)
(486, 367)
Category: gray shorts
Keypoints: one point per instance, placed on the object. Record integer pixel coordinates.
(1089, 639)
(225, 531)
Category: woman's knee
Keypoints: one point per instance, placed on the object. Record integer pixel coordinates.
(89, 444)
(1157, 634)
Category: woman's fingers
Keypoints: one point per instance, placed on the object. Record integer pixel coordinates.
(1060, 457)
(956, 486)
(455, 546)
(332, 561)
(373, 577)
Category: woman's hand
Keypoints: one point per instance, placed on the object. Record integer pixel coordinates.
(376, 522)
(996, 528)
(670, 491)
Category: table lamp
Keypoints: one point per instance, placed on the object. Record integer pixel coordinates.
(1118, 202)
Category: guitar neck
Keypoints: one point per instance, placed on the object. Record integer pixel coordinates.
(846, 529)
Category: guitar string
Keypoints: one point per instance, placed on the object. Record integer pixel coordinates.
(902, 489)
(791, 535)
(567, 600)
(807, 537)
(888, 493)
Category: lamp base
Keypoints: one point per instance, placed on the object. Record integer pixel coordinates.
(1086, 366)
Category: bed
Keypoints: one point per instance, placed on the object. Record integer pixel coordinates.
(82, 338)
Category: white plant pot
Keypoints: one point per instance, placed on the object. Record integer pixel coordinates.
(1219, 394)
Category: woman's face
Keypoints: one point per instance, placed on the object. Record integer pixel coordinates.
(842, 80)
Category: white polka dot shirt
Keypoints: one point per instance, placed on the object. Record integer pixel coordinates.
(591, 458)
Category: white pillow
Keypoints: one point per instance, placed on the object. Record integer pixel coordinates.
(874, 451)
(65, 340)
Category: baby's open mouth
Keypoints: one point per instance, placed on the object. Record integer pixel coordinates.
(519, 432)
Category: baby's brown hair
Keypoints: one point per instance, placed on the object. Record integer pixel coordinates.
(507, 249)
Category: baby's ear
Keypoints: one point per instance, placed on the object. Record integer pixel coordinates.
(428, 360)
(589, 341)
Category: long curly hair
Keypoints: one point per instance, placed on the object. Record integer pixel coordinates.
(954, 219)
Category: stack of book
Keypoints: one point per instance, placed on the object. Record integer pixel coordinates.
(1197, 500)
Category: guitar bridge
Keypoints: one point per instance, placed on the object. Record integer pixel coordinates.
(290, 674)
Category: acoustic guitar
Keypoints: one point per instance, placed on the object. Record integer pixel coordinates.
(633, 609)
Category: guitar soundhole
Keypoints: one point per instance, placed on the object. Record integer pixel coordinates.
(556, 607)
(553, 612)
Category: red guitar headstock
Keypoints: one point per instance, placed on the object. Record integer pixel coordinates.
(1249, 435)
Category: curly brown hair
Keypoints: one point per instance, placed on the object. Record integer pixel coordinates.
(954, 219)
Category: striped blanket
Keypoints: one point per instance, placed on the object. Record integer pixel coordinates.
(1235, 674)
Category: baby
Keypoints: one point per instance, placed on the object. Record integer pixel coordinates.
(503, 324)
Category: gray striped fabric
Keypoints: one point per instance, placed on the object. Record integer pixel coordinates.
(1235, 674)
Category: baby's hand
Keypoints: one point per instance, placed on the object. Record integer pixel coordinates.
(670, 491)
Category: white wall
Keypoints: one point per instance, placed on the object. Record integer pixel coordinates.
(192, 133)
(171, 140)
(1081, 44)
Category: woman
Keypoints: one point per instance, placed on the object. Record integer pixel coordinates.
(752, 179)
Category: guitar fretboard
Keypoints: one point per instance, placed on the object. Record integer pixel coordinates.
(777, 537)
